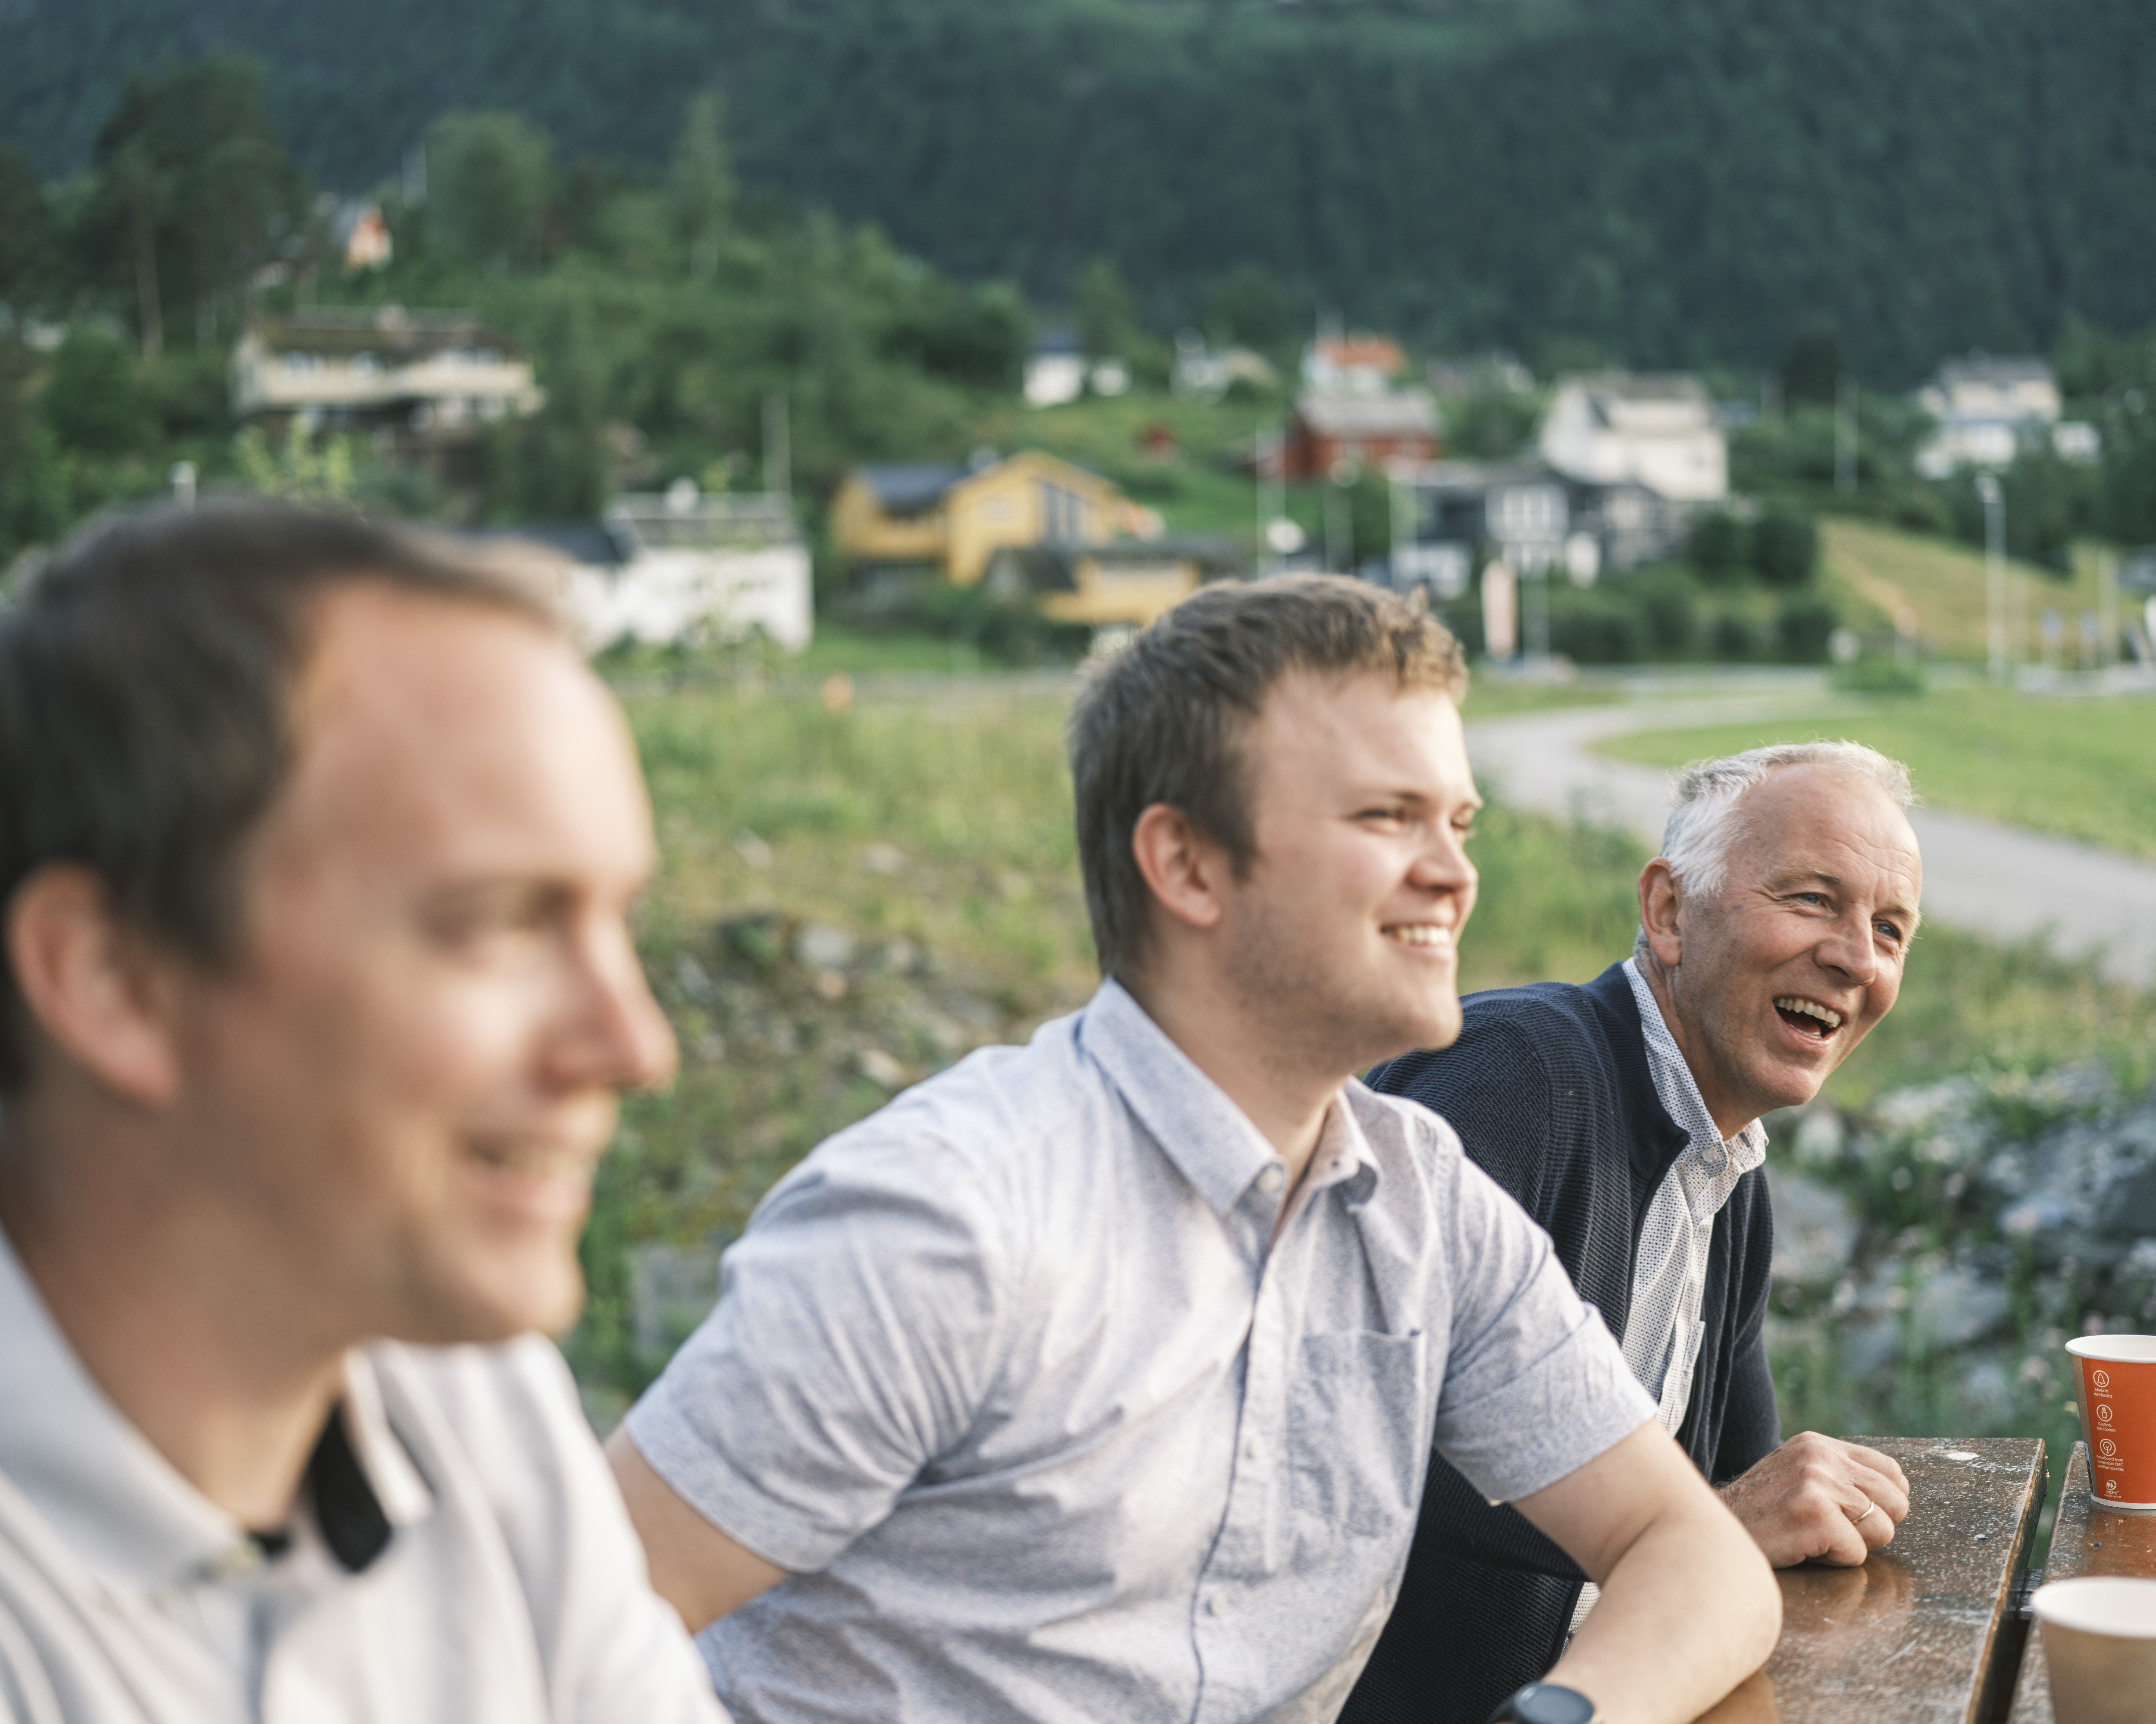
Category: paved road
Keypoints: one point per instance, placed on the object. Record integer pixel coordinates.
(1998, 880)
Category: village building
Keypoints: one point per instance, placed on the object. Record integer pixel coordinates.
(416, 384)
(1091, 554)
(1351, 364)
(1332, 436)
(1986, 407)
(1617, 428)
(671, 567)
(950, 519)
(1054, 370)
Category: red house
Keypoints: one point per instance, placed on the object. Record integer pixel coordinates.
(1365, 430)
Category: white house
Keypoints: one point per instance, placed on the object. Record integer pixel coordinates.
(1613, 428)
(409, 372)
(1985, 405)
(679, 566)
(1054, 370)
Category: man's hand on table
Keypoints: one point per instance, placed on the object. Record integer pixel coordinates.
(1805, 1502)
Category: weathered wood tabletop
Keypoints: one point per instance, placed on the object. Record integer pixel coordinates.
(2087, 1538)
(1921, 1633)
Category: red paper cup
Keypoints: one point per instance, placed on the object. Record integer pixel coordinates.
(2115, 1378)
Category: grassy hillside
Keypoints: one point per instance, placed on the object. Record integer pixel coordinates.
(1873, 572)
(1667, 181)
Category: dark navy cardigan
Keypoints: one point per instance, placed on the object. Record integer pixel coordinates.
(1550, 1090)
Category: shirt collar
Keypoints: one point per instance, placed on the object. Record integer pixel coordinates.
(111, 1497)
(1211, 1140)
(1678, 1090)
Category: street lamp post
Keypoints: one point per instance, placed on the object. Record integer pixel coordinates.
(1994, 572)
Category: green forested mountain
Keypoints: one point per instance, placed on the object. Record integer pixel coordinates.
(1661, 181)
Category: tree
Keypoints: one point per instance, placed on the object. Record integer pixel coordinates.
(93, 401)
(192, 191)
(1105, 323)
(30, 251)
(1812, 365)
(701, 187)
(488, 175)
(562, 467)
(33, 483)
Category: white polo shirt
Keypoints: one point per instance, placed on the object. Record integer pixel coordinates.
(461, 1555)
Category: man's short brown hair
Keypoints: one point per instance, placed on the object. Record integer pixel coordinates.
(1163, 720)
(145, 677)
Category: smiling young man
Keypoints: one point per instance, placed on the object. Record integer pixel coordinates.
(316, 853)
(1096, 1378)
(1624, 1116)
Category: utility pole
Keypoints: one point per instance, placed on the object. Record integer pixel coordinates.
(1845, 435)
(777, 445)
(1994, 572)
(2107, 609)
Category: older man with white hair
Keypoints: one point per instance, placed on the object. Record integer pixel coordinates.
(1624, 1116)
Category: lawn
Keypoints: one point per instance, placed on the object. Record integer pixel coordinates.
(2084, 767)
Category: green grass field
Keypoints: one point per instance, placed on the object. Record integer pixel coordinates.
(2084, 767)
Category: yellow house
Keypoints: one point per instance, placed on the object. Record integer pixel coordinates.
(957, 518)
(1131, 581)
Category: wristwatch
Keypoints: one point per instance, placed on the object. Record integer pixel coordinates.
(1545, 1703)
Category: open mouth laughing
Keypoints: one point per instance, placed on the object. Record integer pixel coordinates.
(1431, 936)
(1808, 1017)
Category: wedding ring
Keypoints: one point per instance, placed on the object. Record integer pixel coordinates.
(1869, 1507)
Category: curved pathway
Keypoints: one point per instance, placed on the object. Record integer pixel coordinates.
(1998, 880)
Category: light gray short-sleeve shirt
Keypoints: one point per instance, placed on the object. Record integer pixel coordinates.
(504, 1584)
(1015, 1379)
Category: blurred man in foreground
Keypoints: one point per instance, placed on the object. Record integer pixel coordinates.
(1624, 1116)
(1095, 1379)
(315, 853)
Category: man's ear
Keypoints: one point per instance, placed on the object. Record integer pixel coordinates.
(95, 990)
(1661, 899)
(1182, 868)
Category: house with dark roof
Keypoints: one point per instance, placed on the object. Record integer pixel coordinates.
(952, 518)
(1045, 526)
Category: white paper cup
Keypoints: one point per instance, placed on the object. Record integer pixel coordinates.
(2100, 1647)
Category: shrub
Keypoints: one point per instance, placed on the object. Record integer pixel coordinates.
(1802, 628)
(1716, 546)
(1671, 617)
(94, 400)
(1785, 549)
(1734, 638)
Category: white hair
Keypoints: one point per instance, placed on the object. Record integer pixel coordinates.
(1705, 819)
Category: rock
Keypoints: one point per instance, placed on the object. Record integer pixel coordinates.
(1815, 1230)
(817, 946)
(694, 980)
(884, 859)
(752, 850)
(880, 1069)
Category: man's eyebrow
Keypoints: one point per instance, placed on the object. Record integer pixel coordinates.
(1825, 877)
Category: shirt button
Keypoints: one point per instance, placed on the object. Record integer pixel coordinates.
(1253, 1448)
(1217, 1605)
(1271, 1180)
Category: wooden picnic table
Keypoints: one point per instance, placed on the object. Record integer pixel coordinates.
(1925, 1631)
(2087, 1538)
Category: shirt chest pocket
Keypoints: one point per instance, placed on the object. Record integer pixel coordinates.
(1356, 1425)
